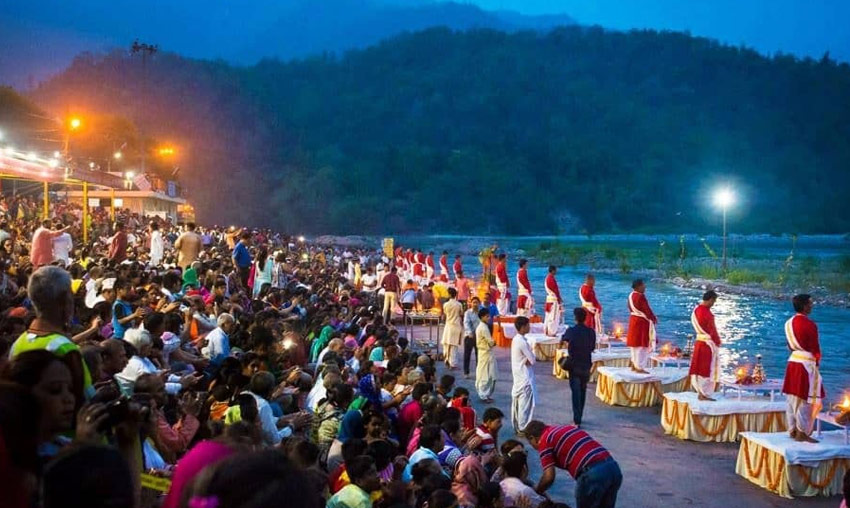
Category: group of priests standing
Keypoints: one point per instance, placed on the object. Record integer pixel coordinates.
(802, 385)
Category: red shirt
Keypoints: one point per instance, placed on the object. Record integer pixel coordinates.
(568, 447)
(391, 283)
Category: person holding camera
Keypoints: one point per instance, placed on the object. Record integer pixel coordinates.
(581, 341)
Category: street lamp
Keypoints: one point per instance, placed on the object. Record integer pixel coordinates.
(117, 155)
(74, 123)
(724, 198)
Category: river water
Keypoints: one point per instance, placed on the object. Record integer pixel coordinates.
(747, 325)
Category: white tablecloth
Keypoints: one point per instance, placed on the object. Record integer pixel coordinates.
(540, 339)
(726, 405)
(666, 375)
(603, 355)
(831, 446)
(509, 330)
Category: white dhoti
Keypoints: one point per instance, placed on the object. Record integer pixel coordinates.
(485, 376)
(429, 272)
(800, 414)
(552, 319)
(502, 302)
(522, 407)
(640, 357)
(703, 385)
(452, 336)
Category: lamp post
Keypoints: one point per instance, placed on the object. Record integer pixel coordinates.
(724, 198)
(74, 123)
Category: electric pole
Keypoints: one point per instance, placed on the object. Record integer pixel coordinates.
(145, 50)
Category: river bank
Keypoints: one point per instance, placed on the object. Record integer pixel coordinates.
(751, 271)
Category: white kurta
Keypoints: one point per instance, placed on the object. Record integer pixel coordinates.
(523, 392)
(453, 332)
(157, 248)
(486, 370)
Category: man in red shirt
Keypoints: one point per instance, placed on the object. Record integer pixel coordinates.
(641, 335)
(42, 244)
(118, 244)
(705, 365)
(803, 385)
(597, 474)
(391, 286)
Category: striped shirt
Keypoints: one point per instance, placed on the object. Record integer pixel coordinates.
(568, 447)
(487, 441)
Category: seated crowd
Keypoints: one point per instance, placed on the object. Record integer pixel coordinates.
(210, 379)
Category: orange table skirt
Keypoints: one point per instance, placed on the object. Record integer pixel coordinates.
(499, 334)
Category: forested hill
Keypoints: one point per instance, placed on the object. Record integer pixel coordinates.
(578, 130)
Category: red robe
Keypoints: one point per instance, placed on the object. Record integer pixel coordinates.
(796, 377)
(502, 274)
(523, 285)
(701, 360)
(457, 267)
(588, 294)
(429, 261)
(552, 287)
(638, 334)
(444, 265)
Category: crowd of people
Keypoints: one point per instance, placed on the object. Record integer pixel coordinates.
(158, 365)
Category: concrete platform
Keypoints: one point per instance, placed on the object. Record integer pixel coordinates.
(659, 471)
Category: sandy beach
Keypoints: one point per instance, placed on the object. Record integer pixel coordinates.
(659, 471)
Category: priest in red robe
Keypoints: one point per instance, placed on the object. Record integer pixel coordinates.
(641, 335)
(803, 385)
(502, 284)
(429, 266)
(587, 296)
(524, 303)
(457, 267)
(705, 364)
(554, 305)
(444, 265)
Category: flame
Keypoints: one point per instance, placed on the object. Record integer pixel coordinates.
(741, 372)
(846, 403)
(288, 343)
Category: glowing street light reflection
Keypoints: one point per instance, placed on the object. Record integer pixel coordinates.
(724, 198)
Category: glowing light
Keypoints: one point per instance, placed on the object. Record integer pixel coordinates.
(117, 155)
(129, 175)
(31, 156)
(618, 331)
(9, 150)
(288, 344)
(846, 403)
(75, 123)
(305, 257)
(724, 198)
(56, 155)
(301, 239)
(166, 150)
(91, 165)
(53, 163)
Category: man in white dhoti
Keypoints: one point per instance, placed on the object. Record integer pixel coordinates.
(803, 386)
(524, 303)
(554, 304)
(157, 244)
(453, 331)
(523, 392)
(705, 364)
(486, 370)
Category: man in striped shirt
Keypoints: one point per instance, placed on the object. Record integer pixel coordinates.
(597, 474)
